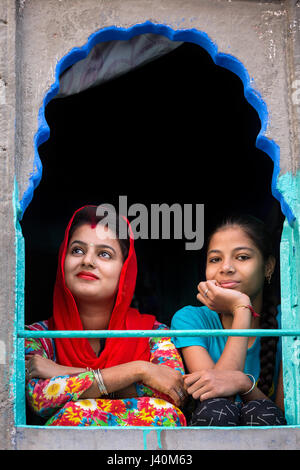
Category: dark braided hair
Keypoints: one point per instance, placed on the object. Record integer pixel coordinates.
(257, 231)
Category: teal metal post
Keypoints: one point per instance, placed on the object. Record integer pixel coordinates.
(290, 292)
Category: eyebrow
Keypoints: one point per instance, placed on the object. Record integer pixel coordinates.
(97, 246)
(235, 249)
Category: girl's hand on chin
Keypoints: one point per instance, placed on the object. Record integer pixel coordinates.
(220, 299)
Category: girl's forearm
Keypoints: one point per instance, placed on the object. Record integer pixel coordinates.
(93, 392)
(120, 379)
(66, 370)
(255, 394)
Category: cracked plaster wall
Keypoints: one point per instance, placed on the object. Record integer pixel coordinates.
(35, 34)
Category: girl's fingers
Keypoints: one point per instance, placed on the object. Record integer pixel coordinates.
(199, 391)
(205, 286)
(189, 382)
(206, 395)
(194, 387)
(202, 286)
(214, 286)
(204, 299)
(191, 378)
(204, 289)
(212, 282)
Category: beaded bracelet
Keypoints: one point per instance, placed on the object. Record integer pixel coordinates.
(254, 314)
(252, 386)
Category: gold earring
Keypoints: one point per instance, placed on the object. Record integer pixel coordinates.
(268, 277)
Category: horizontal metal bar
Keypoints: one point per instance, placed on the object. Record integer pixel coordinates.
(151, 333)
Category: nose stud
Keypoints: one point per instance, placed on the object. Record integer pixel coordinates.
(230, 268)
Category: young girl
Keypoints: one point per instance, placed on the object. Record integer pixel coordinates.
(236, 381)
(92, 382)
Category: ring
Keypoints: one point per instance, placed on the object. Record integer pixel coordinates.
(205, 293)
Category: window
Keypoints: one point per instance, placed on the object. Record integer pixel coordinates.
(290, 244)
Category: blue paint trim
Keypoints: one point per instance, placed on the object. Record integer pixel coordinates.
(158, 434)
(188, 35)
(145, 433)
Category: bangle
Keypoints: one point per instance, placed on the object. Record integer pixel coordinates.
(252, 386)
(254, 314)
(100, 383)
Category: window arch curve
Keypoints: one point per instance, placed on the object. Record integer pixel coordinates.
(189, 35)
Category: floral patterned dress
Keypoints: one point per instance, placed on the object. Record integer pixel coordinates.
(57, 400)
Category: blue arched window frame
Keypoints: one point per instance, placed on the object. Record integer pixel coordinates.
(262, 142)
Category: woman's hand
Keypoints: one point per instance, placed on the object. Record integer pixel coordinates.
(40, 367)
(165, 380)
(220, 299)
(205, 384)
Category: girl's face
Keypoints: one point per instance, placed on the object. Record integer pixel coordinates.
(93, 264)
(236, 263)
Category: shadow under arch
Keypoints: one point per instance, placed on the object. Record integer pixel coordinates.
(189, 35)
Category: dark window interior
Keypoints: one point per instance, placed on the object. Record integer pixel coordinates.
(177, 130)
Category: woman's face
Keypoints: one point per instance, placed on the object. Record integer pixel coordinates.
(236, 263)
(93, 264)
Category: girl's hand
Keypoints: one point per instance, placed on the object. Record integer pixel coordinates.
(165, 380)
(221, 299)
(43, 368)
(205, 384)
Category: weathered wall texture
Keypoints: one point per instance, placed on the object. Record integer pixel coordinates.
(35, 34)
(258, 34)
(7, 266)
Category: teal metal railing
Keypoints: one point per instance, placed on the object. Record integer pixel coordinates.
(22, 334)
(151, 333)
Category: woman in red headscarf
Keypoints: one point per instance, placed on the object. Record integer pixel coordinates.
(92, 381)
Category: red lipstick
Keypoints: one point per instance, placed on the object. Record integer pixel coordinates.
(87, 275)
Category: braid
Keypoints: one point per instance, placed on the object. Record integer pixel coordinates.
(268, 344)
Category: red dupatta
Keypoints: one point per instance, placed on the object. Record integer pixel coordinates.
(77, 352)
